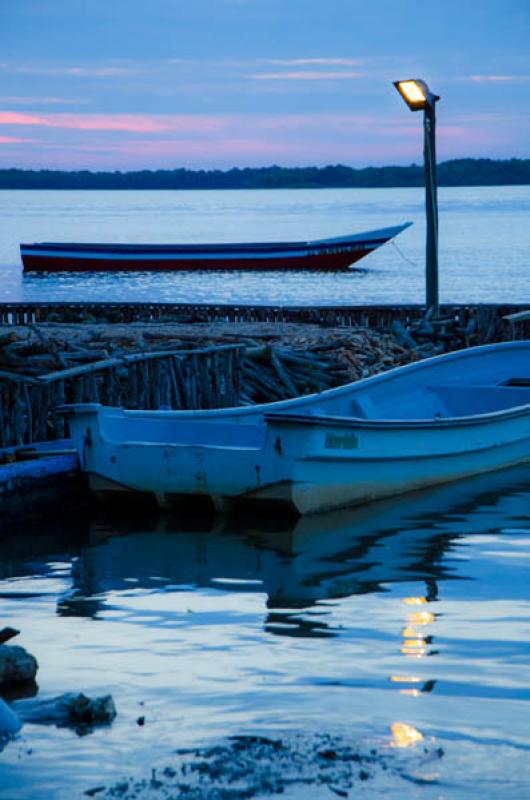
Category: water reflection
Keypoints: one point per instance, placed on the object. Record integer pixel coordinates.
(422, 602)
(405, 735)
(36, 547)
(296, 565)
(300, 566)
(317, 559)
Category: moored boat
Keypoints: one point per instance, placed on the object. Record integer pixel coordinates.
(322, 254)
(423, 424)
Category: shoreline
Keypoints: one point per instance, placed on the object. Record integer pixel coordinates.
(453, 172)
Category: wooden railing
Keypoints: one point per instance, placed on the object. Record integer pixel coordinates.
(206, 378)
(374, 316)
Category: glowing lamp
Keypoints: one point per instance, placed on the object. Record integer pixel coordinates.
(416, 94)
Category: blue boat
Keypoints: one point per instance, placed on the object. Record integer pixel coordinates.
(419, 425)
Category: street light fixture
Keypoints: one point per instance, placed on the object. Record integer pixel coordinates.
(418, 97)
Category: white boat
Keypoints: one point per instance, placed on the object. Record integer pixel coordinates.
(423, 424)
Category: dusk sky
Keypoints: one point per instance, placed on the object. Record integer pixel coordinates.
(133, 84)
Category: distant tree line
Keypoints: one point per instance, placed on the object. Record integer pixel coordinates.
(458, 172)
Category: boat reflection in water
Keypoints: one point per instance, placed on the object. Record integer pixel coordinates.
(316, 558)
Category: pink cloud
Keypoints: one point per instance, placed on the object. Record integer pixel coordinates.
(13, 140)
(318, 121)
(186, 147)
(16, 118)
(102, 122)
(116, 141)
(138, 124)
(117, 122)
(252, 151)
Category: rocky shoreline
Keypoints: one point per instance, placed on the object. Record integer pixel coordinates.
(295, 765)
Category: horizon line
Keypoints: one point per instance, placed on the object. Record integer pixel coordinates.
(264, 167)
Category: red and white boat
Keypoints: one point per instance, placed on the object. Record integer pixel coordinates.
(322, 254)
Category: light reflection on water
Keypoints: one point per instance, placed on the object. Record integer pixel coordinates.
(396, 621)
(484, 243)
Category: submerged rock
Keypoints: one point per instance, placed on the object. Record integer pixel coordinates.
(70, 710)
(16, 664)
(7, 633)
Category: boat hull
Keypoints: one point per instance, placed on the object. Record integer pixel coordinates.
(417, 426)
(321, 255)
(324, 262)
(382, 463)
(386, 462)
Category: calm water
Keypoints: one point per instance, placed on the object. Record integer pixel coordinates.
(484, 243)
(415, 610)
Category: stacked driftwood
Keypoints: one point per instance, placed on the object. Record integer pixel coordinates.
(206, 365)
(429, 335)
(309, 364)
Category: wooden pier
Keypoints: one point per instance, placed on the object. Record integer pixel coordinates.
(369, 316)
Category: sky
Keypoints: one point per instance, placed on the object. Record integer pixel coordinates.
(204, 84)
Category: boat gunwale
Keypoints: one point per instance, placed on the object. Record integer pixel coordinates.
(365, 238)
(346, 455)
(329, 421)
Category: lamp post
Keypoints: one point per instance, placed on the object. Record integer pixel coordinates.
(418, 97)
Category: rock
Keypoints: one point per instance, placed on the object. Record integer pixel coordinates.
(8, 633)
(94, 791)
(16, 664)
(70, 710)
(19, 691)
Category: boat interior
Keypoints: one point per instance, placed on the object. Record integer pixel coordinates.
(453, 387)
(442, 400)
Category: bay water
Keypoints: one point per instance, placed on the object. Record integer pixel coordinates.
(414, 611)
(484, 243)
(411, 614)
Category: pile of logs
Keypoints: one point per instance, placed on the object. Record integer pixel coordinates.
(276, 371)
(447, 332)
(218, 364)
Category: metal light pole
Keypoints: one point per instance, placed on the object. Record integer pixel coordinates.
(418, 96)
